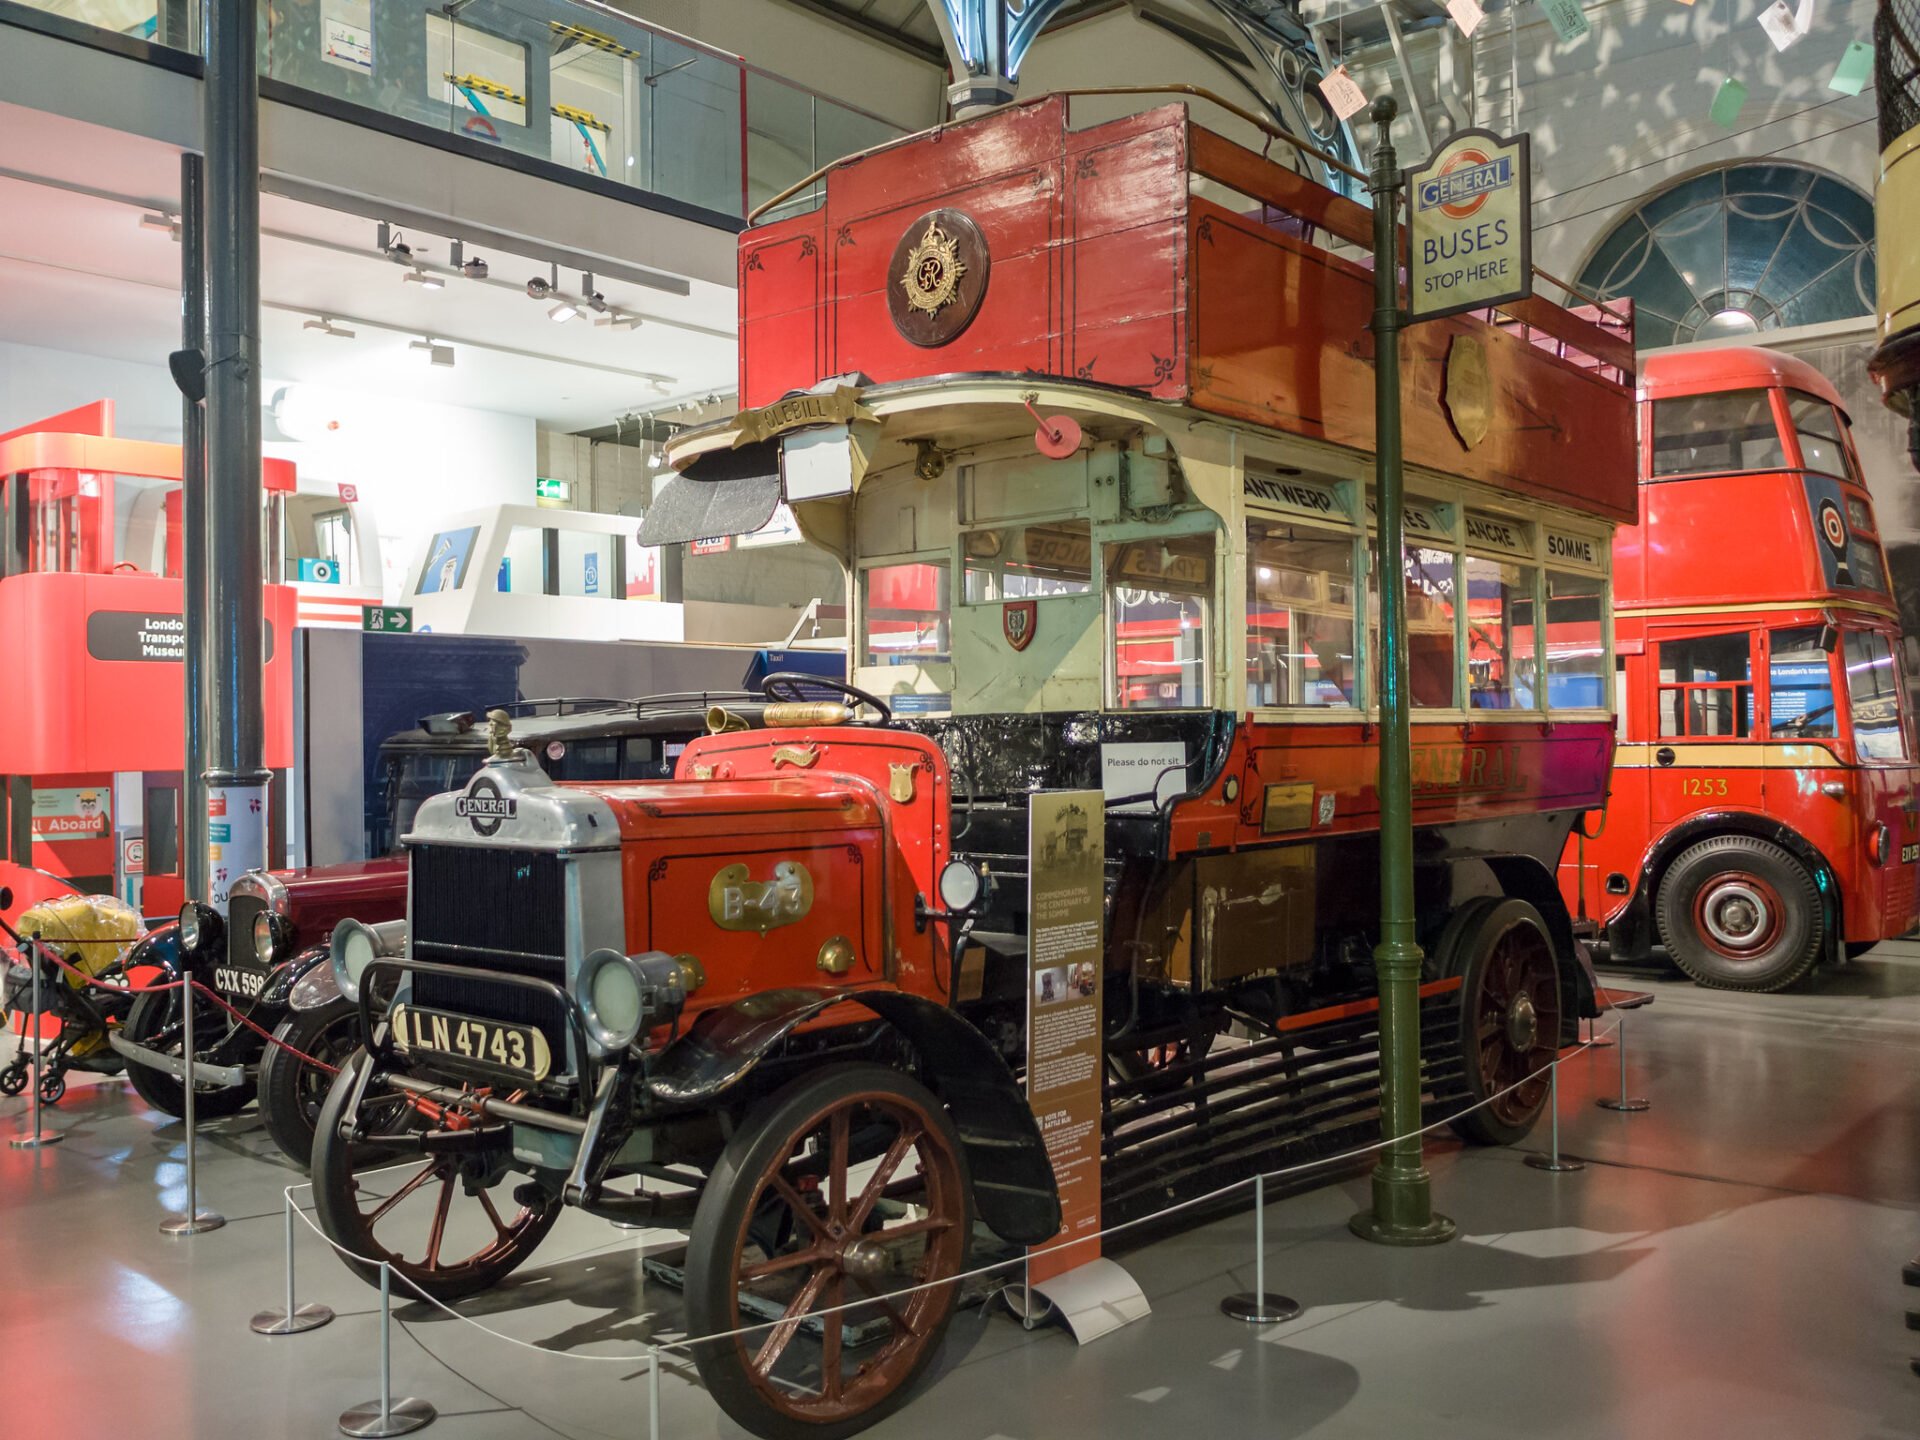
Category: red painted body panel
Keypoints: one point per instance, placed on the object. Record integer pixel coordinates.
(678, 835)
(1105, 268)
(1460, 773)
(320, 897)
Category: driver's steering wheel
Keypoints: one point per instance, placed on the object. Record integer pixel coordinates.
(788, 688)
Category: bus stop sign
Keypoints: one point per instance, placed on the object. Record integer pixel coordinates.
(1469, 240)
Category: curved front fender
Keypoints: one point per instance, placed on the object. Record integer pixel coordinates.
(1013, 1183)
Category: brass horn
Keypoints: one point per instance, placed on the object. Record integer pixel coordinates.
(722, 721)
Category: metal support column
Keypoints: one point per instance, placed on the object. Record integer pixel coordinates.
(235, 774)
(193, 530)
(1402, 1212)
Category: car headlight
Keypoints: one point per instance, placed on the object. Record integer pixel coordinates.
(355, 946)
(199, 927)
(268, 931)
(622, 995)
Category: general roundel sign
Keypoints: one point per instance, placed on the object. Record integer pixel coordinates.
(937, 277)
(1469, 236)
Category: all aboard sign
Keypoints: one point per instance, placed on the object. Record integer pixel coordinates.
(1469, 234)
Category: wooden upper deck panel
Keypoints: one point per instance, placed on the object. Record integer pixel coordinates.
(1103, 265)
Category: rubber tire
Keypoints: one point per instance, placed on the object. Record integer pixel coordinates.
(281, 1109)
(160, 1090)
(330, 1194)
(1455, 952)
(1793, 953)
(720, 1214)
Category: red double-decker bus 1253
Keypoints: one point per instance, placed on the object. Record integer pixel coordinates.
(1763, 816)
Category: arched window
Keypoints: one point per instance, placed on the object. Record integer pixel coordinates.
(1737, 251)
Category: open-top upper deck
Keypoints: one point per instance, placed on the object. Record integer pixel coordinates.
(1152, 254)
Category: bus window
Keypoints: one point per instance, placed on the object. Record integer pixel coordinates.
(1024, 561)
(1431, 646)
(1300, 647)
(1706, 686)
(1820, 430)
(1800, 702)
(1157, 592)
(1732, 430)
(905, 611)
(1500, 635)
(1873, 695)
(412, 779)
(588, 760)
(1576, 642)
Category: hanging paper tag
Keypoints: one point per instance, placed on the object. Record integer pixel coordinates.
(1343, 93)
(1781, 25)
(1727, 102)
(1568, 20)
(1850, 76)
(1467, 14)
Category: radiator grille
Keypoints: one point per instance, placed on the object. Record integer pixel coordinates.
(498, 910)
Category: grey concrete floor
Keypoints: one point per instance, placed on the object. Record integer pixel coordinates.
(1727, 1264)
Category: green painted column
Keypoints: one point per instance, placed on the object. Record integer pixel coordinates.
(1402, 1212)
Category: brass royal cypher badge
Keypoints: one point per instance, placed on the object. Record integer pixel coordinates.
(939, 276)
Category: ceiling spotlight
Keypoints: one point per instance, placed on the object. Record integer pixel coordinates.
(161, 222)
(538, 289)
(597, 302)
(441, 355)
(324, 326)
(612, 316)
(417, 276)
(563, 312)
(474, 269)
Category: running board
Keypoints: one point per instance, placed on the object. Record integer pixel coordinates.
(227, 1077)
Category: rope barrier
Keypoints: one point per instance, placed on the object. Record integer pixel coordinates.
(685, 1345)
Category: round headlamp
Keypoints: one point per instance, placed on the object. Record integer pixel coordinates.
(1880, 844)
(355, 946)
(268, 929)
(612, 1001)
(960, 885)
(199, 927)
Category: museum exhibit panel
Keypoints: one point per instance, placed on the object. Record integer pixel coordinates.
(798, 718)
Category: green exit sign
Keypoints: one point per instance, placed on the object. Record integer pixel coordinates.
(545, 489)
(387, 620)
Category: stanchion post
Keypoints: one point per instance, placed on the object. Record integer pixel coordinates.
(653, 1393)
(1260, 1307)
(37, 1140)
(1595, 1040)
(296, 1318)
(1625, 1102)
(382, 1417)
(1554, 1163)
(196, 1221)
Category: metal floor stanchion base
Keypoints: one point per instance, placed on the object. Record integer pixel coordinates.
(196, 1224)
(278, 1322)
(1554, 1164)
(36, 1142)
(1267, 1309)
(1621, 1102)
(403, 1417)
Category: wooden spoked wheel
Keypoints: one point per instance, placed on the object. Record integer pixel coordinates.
(847, 1189)
(1509, 1018)
(448, 1224)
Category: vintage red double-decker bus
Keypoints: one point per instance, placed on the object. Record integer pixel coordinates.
(1763, 814)
(1072, 407)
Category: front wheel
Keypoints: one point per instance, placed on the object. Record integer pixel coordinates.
(158, 1022)
(291, 1090)
(1509, 1015)
(1738, 913)
(847, 1188)
(433, 1219)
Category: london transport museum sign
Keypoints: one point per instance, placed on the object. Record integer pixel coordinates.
(1469, 243)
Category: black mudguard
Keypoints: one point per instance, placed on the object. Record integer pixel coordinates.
(1013, 1183)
